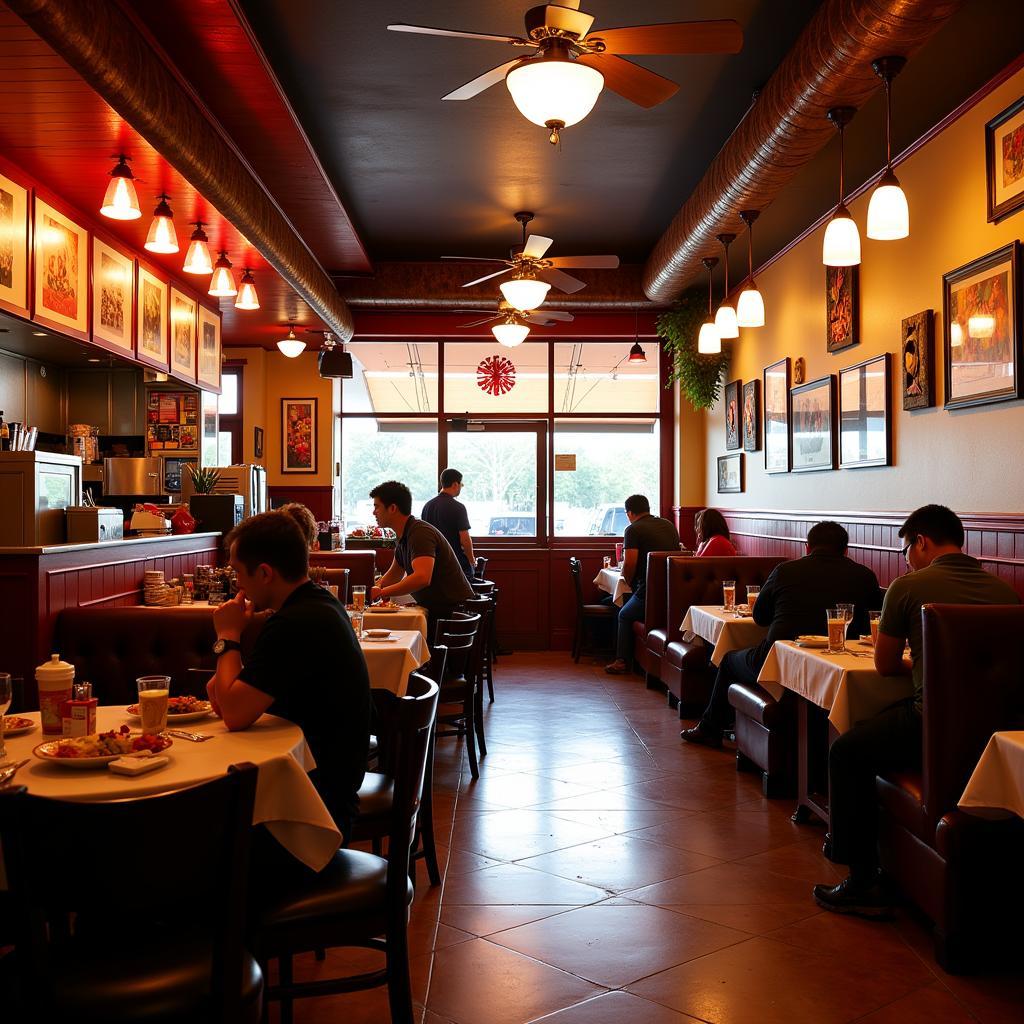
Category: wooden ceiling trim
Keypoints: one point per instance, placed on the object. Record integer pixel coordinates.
(829, 66)
(102, 44)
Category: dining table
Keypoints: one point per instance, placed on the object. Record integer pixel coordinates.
(723, 630)
(402, 617)
(996, 786)
(389, 660)
(611, 582)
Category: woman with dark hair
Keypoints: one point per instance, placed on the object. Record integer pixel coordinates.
(712, 533)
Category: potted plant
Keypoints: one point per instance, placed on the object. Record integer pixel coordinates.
(211, 511)
(699, 376)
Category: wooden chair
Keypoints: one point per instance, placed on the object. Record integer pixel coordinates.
(359, 897)
(460, 685)
(157, 886)
(585, 613)
(485, 588)
(480, 568)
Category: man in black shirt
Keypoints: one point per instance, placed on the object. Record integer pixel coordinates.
(792, 602)
(449, 517)
(306, 664)
(645, 533)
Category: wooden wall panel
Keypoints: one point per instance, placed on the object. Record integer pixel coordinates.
(319, 500)
(524, 605)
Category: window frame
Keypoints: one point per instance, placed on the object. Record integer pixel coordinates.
(233, 424)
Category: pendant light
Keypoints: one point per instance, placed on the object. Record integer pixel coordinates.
(888, 214)
(162, 237)
(247, 297)
(709, 341)
(291, 346)
(637, 354)
(750, 307)
(197, 259)
(841, 247)
(725, 318)
(510, 333)
(222, 284)
(120, 201)
(525, 292)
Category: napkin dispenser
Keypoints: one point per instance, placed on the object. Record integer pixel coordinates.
(89, 525)
(149, 524)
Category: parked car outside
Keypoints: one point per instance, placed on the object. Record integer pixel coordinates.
(512, 526)
(610, 521)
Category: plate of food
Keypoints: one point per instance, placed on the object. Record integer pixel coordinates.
(99, 749)
(377, 634)
(180, 709)
(811, 640)
(15, 725)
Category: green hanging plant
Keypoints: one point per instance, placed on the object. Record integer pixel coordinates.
(700, 376)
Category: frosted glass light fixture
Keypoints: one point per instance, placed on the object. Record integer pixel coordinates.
(291, 346)
(888, 213)
(725, 318)
(162, 237)
(510, 334)
(841, 245)
(525, 293)
(197, 259)
(247, 297)
(709, 341)
(120, 201)
(222, 284)
(750, 306)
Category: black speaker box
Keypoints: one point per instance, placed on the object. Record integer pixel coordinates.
(333, 362)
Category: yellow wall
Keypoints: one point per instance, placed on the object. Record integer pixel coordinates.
(967, 458)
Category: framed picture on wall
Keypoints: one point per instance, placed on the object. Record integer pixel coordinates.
(776, 417)
(183, 336)
(733, 395)
(841, 298)
(13, 246)
(752, 415)
(864, 414)
(209, 349)
(811, 408)
(257, 442)
(151, 319)
(61, 272)
(730, 473)
(298, 435)
(113, 291)
(917, 373)
(1004, 161)
(981, 329)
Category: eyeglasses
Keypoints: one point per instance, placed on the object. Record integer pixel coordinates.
(909, 545)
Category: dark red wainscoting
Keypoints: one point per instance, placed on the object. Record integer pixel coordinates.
(319, 500)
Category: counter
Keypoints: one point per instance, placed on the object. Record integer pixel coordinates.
(61, 549)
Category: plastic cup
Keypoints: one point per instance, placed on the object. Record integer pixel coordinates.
(836, 630)
(729, 595)
(153, 694)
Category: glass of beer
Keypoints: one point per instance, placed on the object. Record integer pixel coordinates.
(153, 692)
(752, 593)
(359, 598)
(729, 595)
(836, 630)
(873, 619)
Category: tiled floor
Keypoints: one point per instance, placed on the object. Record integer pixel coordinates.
(601, 872)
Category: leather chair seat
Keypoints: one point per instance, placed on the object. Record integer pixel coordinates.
(901, 794)
(755, 702)
(605, 610)
(656, 641)
(692, 655)
(376, 795)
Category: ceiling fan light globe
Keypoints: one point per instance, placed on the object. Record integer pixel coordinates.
(525, 293)
(709, 341)
(750, 307)
(559, 91)
(888, 212)
(725, 321)
(510, 335)
(841, 245)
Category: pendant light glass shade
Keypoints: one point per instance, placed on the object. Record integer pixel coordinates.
(120, 201)
(956, 334)
(162, 237)
(841, 247)
(247, 297)
(510, 334)
(525, 293)
(888, 212)
(709, 341)
(554, 91)
(197, 259)
(222, 284)
(981, 326)
(726, 322)
(291, 346)
(750, 307)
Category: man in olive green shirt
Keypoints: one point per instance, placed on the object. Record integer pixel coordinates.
(940, 574)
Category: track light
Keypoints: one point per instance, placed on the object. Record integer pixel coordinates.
(709, 341)
(222, 284)
(750, 307)
(888, 213)
(162, 237)
(291, 346)
(247, 297)
(841, 245)
(120, 201)
(197, 259)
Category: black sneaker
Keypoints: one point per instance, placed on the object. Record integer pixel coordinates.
(698, 734)
(849, 897)
(826, 847)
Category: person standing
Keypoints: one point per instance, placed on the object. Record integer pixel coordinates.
(450, 518)
(645, 533)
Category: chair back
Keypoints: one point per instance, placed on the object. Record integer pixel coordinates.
(973, 686)
(574, 571)
(331, 577)
(480, 568)
(482, 588)
(129, 856)
(434, 669)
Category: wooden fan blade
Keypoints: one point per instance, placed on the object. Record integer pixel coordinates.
(567, 18)
(480, 323)
(536, 246)
(546, 317)
(560, 280)
(586, 262)
(484, 81)
(675, 37)
(486, 277)
(426, 30)
(477, 259)
(635, 83)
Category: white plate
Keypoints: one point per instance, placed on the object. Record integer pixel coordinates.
(46, 752)
(811, 641)
(377, 634)
(12, 729)
(132, 711)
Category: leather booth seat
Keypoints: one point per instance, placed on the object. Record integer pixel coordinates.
(360, 565)
(766, 735)
(649, 634)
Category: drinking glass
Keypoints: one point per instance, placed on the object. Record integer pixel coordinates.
(752, 593)
(359, 598)
(153, 693)
(5, 703)
(607, 561)
(357, 622)
(873, 619)
(729, 595)
(836, 630)
(847, 610)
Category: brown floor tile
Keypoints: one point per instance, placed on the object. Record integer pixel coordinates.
(757, 919)
(513, 884)
(517, 834)
(929, 1005)
(993, 999)
(487, 920)
(616, 1008)
(605, 800)
(603, 774)
(522, 789)
(725, 883)
(619, 821)
(798, 860)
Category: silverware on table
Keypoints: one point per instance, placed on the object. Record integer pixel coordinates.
(194, 737)
(8, 772)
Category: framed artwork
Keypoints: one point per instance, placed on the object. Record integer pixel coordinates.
(841, 299)
(1004, 161)
(257, 442)
(183, 336)
(981, 329)
(298, 435)
(61, 272)
(113, 291)
(864, 414)
(752, 415)
(151, 317)
(733, 395)
(209, 349)
(13, 246)
(730, 473)
(918, 367)
(811, 408)
(777, 453)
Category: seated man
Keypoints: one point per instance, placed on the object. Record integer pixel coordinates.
(645, 533)
(305, 665)
(891, 741)
(425, 565)
(793, 601)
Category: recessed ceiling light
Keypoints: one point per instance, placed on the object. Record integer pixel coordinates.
(95, 360)
(39, 334)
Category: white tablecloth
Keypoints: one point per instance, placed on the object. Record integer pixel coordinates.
(997, 783)
(409, 617)
(611, 582)
(723, 630)
(286, 801)
(846, 685)
(390, 662)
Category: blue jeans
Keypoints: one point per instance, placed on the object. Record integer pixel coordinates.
(632, 611)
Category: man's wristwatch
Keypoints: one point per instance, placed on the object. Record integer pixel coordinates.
(226, 645)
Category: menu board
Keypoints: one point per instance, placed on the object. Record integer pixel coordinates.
(172, 421)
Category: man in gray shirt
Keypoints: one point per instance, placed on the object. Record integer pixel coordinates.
(450, 517)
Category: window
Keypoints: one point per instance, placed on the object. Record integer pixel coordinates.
(529, 391)
(229, 405)
(391, 377)
(597, 377)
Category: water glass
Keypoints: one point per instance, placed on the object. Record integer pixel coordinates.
(729, 595)
(752, 593)
(5, 702)
(873, 619)
(359, 598)
(357, 622)
(607, 561)
(153, 693)
(836, 630)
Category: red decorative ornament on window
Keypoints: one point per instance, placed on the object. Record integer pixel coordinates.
(496, 375)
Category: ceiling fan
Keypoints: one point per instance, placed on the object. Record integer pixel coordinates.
(558, 83)
(533, 274)
(514, 326)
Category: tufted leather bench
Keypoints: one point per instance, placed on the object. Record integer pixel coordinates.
(360, 565)
(649, 634)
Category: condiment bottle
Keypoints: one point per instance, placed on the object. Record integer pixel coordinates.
(78, 715)
(189, 589)
(53, 679)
